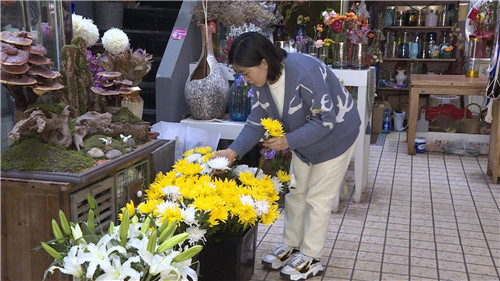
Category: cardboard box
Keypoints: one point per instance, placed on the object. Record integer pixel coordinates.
(394, 102)
(377, 118)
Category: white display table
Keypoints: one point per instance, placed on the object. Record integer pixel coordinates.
(364, 80)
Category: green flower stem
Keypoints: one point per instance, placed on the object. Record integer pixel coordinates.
(261, 162)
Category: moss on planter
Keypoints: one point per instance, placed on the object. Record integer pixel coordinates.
(126, 116)
(94, 141)
(32, 154)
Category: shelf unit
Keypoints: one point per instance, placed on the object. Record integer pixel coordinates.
(387, 68)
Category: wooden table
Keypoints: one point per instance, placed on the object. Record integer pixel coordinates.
(427, 84)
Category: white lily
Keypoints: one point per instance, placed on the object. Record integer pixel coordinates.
(118, 271)
(97, 255)
(76, 231)
(72, 264)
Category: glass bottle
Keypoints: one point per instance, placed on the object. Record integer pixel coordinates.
(416, 45)
(239, 104)
(403, 47)
(424, 68)
(389, 17)
(473, 57)
(431, 18)
(444, 16)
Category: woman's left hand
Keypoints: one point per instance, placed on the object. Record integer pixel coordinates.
(277, 143)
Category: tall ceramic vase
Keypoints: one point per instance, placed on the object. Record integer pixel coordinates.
(206, 87)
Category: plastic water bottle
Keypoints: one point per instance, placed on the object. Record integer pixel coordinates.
(386, 125)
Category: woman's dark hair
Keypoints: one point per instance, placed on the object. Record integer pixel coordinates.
(250, 48)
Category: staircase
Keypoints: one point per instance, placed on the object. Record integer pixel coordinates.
(148, 26)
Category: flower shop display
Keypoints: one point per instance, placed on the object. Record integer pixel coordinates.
(213, 203)
(137, 249)
(240, 99)
(206, 87)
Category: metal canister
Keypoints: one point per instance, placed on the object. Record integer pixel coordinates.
(411, 17)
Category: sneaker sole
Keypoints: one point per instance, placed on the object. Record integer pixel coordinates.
(270, 265)
(302, 276)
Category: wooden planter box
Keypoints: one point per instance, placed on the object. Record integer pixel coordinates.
(31, 199)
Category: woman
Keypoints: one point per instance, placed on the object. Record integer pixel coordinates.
(322, 123)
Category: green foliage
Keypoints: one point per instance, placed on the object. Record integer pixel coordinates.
(32, 154)
(126, 116)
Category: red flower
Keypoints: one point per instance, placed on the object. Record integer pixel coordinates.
(337, 26)
(473, 14)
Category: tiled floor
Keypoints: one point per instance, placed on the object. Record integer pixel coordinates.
(431, 216)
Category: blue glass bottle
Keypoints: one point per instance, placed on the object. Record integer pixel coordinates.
(240, 101)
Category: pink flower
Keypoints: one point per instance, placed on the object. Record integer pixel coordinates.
(318, 43)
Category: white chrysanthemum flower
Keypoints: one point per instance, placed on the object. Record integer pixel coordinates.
(196, 234)
(115, 41)
(188, 215)
(172, 192)
(261, 207)
(85, 29)
(246, 200)
(218, 163)
(278, 185)
(195, 157)
(240, 168)
(205, 169)
(164, 206)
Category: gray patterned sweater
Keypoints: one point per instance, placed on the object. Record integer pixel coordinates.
(320, 117)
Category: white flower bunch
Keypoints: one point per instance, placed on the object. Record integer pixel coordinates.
(115, 41)
(85, 29)
(135, 250)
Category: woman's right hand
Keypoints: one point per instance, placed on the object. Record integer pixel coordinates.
(228, 153)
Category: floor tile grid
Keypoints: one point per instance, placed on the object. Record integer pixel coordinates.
(471, 167)
(453, 204)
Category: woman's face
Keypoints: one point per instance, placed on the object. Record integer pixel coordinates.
(255, 75)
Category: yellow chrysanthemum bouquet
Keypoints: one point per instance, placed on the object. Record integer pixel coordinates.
(206, 196)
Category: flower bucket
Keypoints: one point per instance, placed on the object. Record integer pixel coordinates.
(471, 126)
(228, 256)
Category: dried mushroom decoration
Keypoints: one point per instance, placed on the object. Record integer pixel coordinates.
(111, 88)
(24, 66)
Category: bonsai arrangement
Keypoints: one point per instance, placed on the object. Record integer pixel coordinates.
(69, 110)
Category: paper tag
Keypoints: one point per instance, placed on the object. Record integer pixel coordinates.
(178, 33)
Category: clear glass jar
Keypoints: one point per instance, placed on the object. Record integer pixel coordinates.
(473, 57)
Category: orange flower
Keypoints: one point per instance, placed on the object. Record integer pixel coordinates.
(371, 35)
(319, 27)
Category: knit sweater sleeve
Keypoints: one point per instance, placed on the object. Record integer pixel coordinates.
(315, 94)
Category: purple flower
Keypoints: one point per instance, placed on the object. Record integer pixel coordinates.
(268, 153)
(250, 93)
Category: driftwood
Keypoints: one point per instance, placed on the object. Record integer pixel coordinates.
(49, 126)
(92, 123)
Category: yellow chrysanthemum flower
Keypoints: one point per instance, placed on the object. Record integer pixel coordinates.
(271, 215)
(184, 167)
(130, 207)
(147, 207)
(172, 214)
(273, 127)
(203, 150)
(283, 176)
(207, 156)
(187, 153)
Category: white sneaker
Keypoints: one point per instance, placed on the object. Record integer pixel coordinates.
(301, 267)
(279, 257)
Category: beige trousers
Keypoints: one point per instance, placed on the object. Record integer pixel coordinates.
(308, 206)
